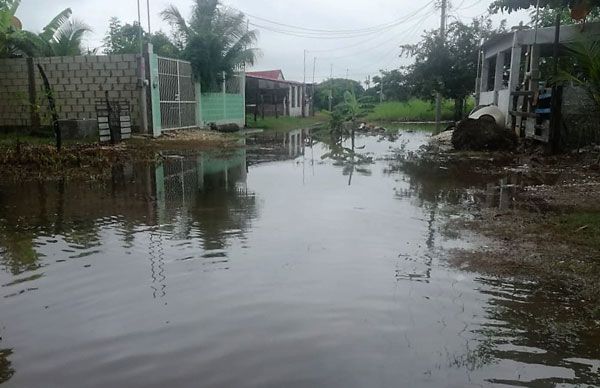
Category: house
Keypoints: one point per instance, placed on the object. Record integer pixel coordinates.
(514, 74)
(268, 93)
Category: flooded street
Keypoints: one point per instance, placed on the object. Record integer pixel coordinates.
(291, 262)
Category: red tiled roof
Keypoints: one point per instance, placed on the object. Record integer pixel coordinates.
(275, 75)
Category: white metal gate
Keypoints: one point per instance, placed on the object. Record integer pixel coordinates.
(177, 94)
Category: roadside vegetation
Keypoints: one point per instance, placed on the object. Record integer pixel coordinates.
(284, 123)
(411, 110)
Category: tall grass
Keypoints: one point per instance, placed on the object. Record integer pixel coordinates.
(413, 110)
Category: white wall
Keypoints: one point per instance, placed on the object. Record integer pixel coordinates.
(504, 102)
(296, 108)
(486, 98)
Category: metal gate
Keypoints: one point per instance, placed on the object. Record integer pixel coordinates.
(177, 94)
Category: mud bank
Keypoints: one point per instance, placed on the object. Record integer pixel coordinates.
(94, 161)
(541, 217)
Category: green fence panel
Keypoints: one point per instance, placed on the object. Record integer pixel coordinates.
(222, 108)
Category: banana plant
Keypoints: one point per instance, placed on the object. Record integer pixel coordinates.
(61, 37)
(586, 53)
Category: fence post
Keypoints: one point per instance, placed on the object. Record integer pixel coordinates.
(199, 121)
(242, 76)
(154, 93)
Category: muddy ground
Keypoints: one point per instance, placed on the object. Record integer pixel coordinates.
(541, 218)
(94, 161)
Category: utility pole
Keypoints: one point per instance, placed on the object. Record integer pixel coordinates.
(312, 89)
(304, 87)
(438, 95)
(331, 88)
(148, 8)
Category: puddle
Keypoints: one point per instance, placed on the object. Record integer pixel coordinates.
(299, 260)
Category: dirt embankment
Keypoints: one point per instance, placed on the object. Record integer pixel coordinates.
(542, 216)
(20, 160)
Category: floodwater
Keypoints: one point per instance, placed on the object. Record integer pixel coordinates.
(289, 263)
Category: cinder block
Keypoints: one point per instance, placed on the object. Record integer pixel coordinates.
(93, 87)
(123, 65)
(116, 58)
(87, 80)
(131, 58)
(74, 67)
(66, 108)
(56, 60)
(42, 61)
(98, 65)
(91, 58)
(89, 94)
(111, 80)
(79, 59)
(110, 66)
(76, 81)
(77, 95)
(92, 73)
(117, 73)
(130, 72)
(103, 58)
(62, 67)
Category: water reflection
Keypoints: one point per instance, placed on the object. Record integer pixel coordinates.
(533, 338)
(184, 197)
(298, 256)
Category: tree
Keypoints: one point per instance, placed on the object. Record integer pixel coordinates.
(516, 5)
(449, 66)
(122, 39)
(215, 40)
(125, 39)
(337, 87)
(394, 83)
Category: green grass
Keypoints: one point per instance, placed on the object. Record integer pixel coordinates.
(412, 110)
(286, 123)
(581, 228)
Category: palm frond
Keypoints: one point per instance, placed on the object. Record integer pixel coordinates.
(172, 16)
(55, 24)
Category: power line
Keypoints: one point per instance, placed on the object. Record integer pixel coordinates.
(346, 31)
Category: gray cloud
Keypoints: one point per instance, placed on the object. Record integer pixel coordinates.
(359, 56)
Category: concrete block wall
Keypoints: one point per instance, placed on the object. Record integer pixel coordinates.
(14, 93)
(78, 82)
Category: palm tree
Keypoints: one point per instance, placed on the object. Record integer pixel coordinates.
(61, 37)
(215, 40)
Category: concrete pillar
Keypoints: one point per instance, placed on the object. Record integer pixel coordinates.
(515, 66)
(498, 81)
(485, 72)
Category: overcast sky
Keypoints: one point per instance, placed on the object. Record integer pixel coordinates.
(360, 55)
